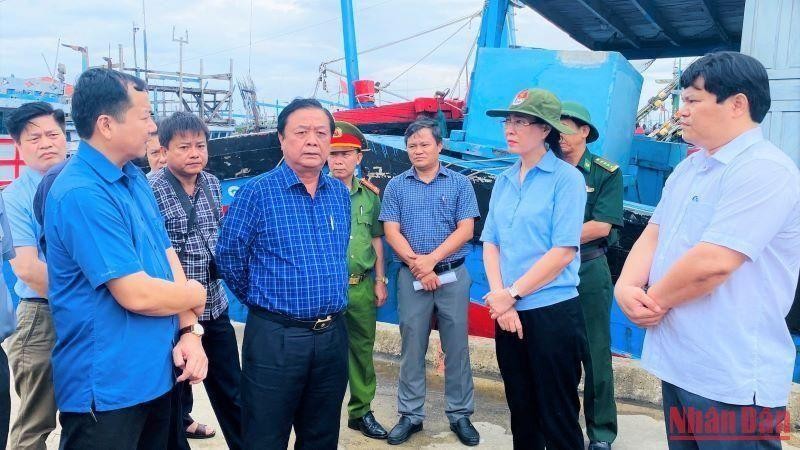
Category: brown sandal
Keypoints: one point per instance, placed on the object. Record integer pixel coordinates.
(200, 432)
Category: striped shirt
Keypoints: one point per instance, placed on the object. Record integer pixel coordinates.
(282, 250)
(195, 248)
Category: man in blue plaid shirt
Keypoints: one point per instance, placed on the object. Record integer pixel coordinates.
(189, 201)
(283, 252)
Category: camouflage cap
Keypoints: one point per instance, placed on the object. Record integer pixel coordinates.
(539, 103)
(575, 110)
(347, 136)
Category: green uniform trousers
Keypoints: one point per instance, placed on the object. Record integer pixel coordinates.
(360, 319)
(596, 292)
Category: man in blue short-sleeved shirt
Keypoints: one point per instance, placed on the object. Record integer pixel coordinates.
(429, 214)
(38, 133)
(115, 306)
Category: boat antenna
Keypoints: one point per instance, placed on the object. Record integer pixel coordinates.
(48, 67)
(250, 48)
(144, 38)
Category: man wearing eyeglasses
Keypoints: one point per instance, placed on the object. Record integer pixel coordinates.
(189, 201)
(364, 254)
(283, 252)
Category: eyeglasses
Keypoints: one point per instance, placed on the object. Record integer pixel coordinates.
(518, 123)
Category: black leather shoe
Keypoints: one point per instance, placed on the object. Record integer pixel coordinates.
(466, 433)
(368, 426)
(599, 445)
(403, 430)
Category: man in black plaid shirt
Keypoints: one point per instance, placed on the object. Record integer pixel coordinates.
(189, 200)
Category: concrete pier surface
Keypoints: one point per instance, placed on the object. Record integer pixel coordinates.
(641, 423)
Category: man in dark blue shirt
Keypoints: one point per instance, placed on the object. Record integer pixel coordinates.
(283, 251)
(117, 289)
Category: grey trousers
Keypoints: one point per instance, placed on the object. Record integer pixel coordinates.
(29, 353)
(415, 308)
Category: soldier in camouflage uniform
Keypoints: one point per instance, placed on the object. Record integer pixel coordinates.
(602, 216)
(365, 295)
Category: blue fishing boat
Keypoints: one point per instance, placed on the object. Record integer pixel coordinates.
(601, 78)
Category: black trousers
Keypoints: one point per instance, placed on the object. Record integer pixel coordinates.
(541, 373)
(5, 398)
(144, 427)
(292, 377)
(222, 385)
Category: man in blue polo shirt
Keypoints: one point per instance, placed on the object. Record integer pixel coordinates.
(429, 214)
(111, 267)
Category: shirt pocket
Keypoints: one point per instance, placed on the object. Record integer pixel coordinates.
(695, 221)
(445, 208)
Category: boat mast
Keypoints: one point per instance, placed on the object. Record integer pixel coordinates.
(350, 50)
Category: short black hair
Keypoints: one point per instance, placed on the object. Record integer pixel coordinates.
(301, 103)
(422, 123)
(18, 119)
(101, 92)
(729, 73)
(179, 123)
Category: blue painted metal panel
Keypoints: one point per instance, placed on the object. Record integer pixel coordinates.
(771, 33)
(606, 83)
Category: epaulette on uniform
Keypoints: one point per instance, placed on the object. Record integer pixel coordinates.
(606, 164)
(364, 182)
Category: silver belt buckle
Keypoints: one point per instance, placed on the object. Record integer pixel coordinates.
(321, 324)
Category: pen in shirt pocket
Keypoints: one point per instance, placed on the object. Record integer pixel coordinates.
(332, 227)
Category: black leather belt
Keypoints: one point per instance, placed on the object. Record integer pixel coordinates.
(34, 300)
(313, 325)
(444, 267)
(594, 253)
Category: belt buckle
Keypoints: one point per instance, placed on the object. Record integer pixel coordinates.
(354, 279)
(321, 324)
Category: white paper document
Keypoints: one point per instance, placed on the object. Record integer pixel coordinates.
(445, 278)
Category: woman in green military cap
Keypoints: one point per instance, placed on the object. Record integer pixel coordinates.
(530, 251)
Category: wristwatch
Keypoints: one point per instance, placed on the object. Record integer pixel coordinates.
(383, 280)
(195, 329)
(514, 292)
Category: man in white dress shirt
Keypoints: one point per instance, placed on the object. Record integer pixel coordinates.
(714, 273)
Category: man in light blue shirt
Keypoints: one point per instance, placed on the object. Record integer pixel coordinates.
(714, 273)
(38, 133)
(7, 325)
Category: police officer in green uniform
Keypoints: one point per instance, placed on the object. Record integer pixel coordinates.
(603, 214)
(364, 255)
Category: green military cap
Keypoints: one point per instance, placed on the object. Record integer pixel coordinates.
(539, 103)
(575, 110)
(347, 136)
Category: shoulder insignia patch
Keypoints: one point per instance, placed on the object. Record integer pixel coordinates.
(606, 164)
(364, 182)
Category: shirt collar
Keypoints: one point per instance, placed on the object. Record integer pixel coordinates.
(734, 148)
(356, 186)
(585, 164)
(31, 176)
(103, 166)
(546, 164)
(412, 172)
(291, 179)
